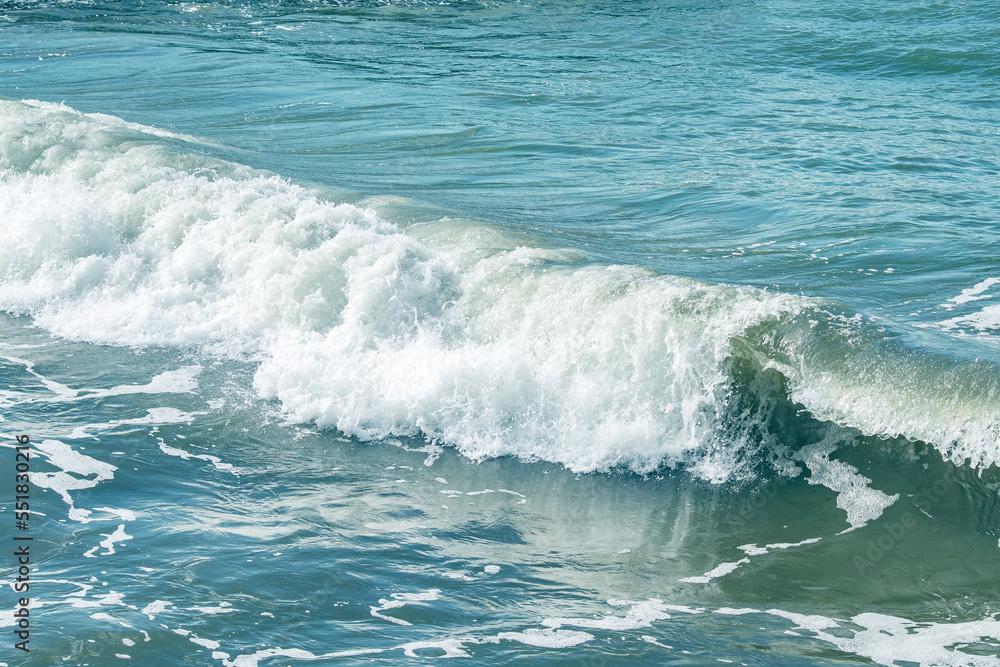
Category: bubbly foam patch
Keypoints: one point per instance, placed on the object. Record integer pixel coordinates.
(108, 544)
(982, 322)
(987, 319)
(76, 471)
(854, 495)
(974, 293)
(641, 614)
(548, 638)
(890, 640)
(180, 453)
(718, 571)
(751, 550)
(399, 600)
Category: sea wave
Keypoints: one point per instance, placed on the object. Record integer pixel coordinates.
(448, 330)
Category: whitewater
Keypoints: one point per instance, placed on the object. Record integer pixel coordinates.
(446, 330)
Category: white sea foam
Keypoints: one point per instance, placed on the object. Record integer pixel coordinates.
(221, 608)
(76, 471)
(907, 401)
(112, 598)
(253, 659)
(400, 600)
(156, 607)
(854, 495)
(153, 416)
(641, 614)
(751, 550)
(987, 319)
(982, 321)
(124, 515)
(119, 237)
(548, 638)
(108, 544)
(974, 293)
(60, 390)
(884, 639)
(453, 648)
(358, 325)
(718, 571)
(889, 640)
(101, 616)
(180, 453)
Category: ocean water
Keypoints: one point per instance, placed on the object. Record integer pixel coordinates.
(549, 332)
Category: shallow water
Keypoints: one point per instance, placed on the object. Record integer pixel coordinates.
(368, 332)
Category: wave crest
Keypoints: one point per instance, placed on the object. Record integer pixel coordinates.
(446, 330)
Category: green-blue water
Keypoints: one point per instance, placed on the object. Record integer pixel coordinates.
(563, 332)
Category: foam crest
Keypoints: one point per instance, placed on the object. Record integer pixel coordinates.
(117, 238)
(860, 373)
(591, 367)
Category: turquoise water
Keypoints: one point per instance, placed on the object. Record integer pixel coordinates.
(561, 332)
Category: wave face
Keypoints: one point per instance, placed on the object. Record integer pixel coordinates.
(451, 331)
